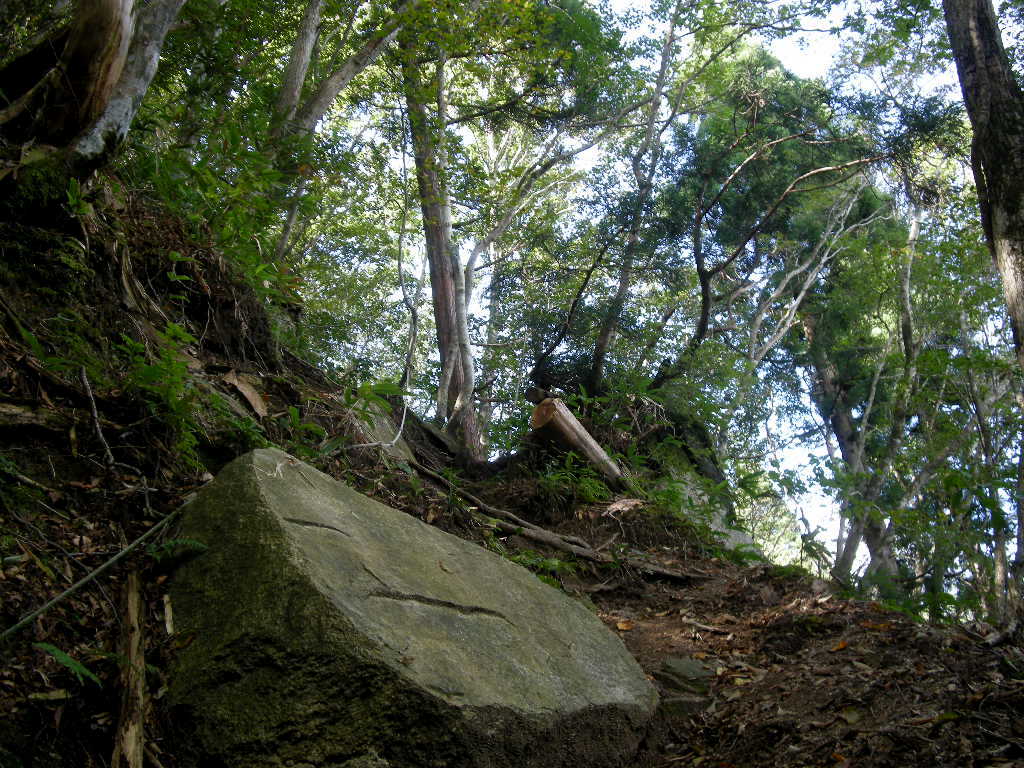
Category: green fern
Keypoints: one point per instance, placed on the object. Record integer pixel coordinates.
(176, 548)
(78, 669)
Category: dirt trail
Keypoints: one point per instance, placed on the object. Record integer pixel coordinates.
(800, 677)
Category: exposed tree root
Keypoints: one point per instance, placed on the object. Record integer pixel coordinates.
(572, 544)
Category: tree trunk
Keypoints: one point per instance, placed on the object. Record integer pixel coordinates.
(373, 46)
(84, 103)
(995, 105)
(295, 72)
(454, 403)
(644, 165)
(76, 88)
(1017, 569)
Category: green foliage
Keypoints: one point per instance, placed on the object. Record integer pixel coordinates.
(573, 481)
(78, 206)
(547, 569)
(175, 550)
(325, 228)
(305, 437)
(160, 374)
(78, 669)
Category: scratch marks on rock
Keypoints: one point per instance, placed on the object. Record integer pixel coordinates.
(466, 610)
(311, 524)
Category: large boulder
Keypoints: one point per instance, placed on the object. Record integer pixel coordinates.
(322, 628)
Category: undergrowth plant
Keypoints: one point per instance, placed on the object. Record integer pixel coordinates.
(79, 670)
(547, 569)
(305, 437)
(160, 374)
(572, 481)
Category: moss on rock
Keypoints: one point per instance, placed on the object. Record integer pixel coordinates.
(324, 627)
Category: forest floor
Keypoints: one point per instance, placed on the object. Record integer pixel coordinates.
(800, 677)
(781, 671)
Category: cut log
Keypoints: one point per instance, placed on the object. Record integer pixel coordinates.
(552, 420)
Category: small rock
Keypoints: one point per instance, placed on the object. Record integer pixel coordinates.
(682, 673)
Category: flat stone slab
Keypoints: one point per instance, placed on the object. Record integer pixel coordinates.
(322, 628)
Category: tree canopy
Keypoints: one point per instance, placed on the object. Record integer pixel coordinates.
(458, 200)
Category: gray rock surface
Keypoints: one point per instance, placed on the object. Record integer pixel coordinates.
(323, 628)
(684, 674)
(691, 489)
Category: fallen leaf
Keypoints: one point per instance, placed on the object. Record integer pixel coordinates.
(851, 715)
(248, 391)
(625, 625)
(624, 505)
(879, 626)
(840, 646)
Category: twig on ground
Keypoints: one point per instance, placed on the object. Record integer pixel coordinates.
(705, 627)
(96, 418)
(25, 480)
(7, 633)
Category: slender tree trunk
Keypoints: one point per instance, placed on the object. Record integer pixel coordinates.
(831, 401)
(1016, 585)
(847, 554)
(493, 319)
(883, 570)
(1020, 498)
(1000, 572)
(316, 106)
(613, 314)
(645, 165)
(435, 205)
(995, 105)
(298, 65)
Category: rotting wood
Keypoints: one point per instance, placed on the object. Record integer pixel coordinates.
(553, 420)
(18, 416)
(130, 742)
